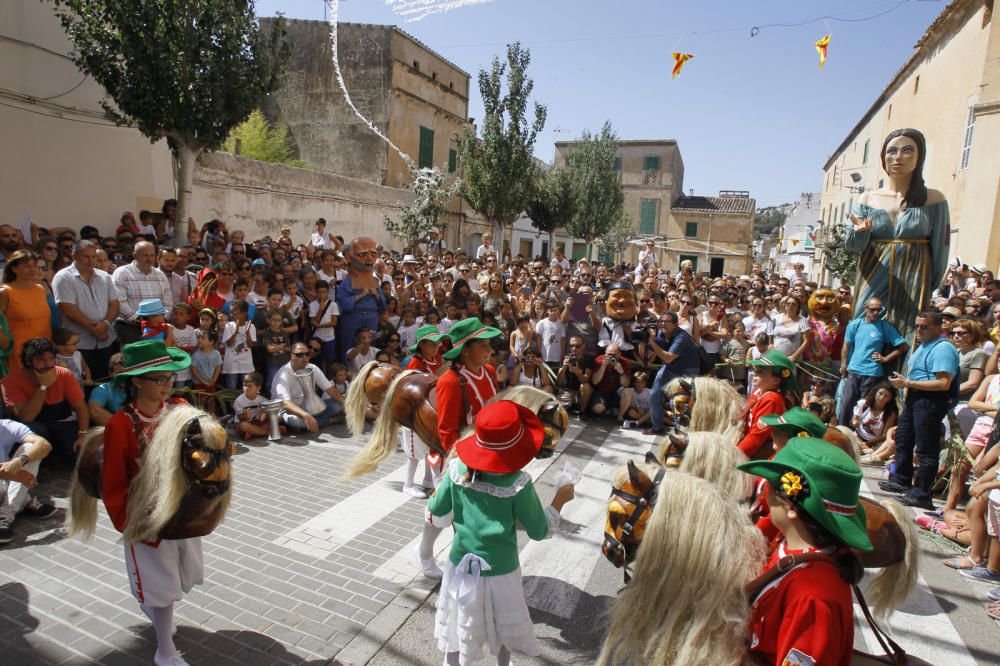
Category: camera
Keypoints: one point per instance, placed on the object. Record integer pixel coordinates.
(573, 361)
(642, 334)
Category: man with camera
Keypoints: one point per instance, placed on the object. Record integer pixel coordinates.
(575, 373)
(679, 354)
(611, 374)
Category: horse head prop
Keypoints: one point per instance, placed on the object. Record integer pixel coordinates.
(633, 495)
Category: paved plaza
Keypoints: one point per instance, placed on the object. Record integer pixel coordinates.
(312, 569)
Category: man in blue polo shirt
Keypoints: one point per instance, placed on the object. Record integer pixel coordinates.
(928, 383)
(862, 364)
(679, 354)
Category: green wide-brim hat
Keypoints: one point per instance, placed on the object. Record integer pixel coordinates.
(428, 332)
(824, 481)
(465, 330)
(775, 360)
(797, 422)
(146, 356)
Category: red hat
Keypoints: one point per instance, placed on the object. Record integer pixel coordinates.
(507, 437)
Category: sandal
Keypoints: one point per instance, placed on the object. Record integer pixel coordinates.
(930, 524)
(993, 610)
(963, 562)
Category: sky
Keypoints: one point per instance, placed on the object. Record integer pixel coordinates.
(749, 113)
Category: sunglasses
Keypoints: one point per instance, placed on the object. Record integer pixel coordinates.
(301, 354)
(959, 332)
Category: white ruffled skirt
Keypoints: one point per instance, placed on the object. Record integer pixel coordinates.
(475, 611)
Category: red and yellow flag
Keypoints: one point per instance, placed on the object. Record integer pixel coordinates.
(679, 60)
(821, 46)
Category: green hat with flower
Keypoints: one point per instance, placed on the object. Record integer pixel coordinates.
(466, 330)
(146, 356)
(779, 363)
(428, 332)
(796, 422)
(824, 481)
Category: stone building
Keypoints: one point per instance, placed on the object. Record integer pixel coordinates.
(796, 239)
(714, 233)
(949, 89)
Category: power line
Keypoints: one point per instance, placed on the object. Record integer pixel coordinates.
(49, 115)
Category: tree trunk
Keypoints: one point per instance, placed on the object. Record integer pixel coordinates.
(187, 156)
(552, 244)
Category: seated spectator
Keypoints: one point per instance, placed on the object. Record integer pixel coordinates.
(635, 402)
(531, 371)
(874, 415)
(249, 417)
(289, 388)
(574, 375)
(22, 451)
(681, 358)
(611, 372)
(48, 399)
(107, 398)
(984, 403)
(362, 352)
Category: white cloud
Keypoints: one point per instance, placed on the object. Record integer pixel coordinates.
(416, 10)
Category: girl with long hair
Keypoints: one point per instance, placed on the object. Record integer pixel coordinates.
(774, 392)
(902, 232)
(874, 415)
(531, 371)
(686, 603)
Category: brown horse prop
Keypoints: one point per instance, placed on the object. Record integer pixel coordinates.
(370, 386)
(407, 403)
(183, 486)
(895, 544)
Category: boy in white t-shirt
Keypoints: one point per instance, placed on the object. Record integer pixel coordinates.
(552, 333)
(408, 328)
(362, 352)
(185, 337)
(634, 408)
(250, 417)
(324, 313)
(238, 339)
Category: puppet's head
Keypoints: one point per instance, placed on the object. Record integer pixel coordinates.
(824, 303)
(621, 304)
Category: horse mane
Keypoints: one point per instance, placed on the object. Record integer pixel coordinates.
(698, 613)
(357, 400)
(526, 396)
(717, 405)
(714, 457)
(156, 492)
(382, 440)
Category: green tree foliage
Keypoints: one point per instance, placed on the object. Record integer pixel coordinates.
(841, 262)
(259, 140)
(552, 200)
(599, 196)
(431, 202)
(185, 70)
(768, 220)
(498, 165)
(616, 237)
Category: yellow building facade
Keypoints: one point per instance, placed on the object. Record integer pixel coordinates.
(949, 89)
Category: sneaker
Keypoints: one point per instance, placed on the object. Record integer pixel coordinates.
(429, 567)
(36, 508)
(6, 530)
(931, 524)
(176, 659)
(631, 424)
(415, 491)
(982, 574)
(145, 610)
(994, 594)
(893, 487)
(916, 502)
(652, 431)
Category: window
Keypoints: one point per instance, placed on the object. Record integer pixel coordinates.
(841, 211)
(434, 76)
(691, 230)
(967, 143)
(452, 160)
(868, 145)
(652, 163)
(416, 65)
(618, 164)
(889, 114)
(425, 156)
(718, 266)
(647, 216)
(916, 85)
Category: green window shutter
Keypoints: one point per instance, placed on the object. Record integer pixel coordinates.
(691, 230)
(647, 216)
(868, 145)
(452, 160)
(425, 157)
(652, 163)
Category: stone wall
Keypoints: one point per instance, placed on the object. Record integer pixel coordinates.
(261, 198)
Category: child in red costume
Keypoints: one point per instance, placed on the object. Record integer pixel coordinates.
(773, 394)
(462, 391)
(805, 615)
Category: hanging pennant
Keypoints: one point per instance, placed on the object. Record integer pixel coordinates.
(821, 46)
(679, 60)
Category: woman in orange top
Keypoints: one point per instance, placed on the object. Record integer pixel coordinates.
(23, 301)
(773, 394)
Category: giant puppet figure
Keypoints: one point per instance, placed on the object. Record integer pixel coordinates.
(828, 318)
(619, 317)
(358, 295)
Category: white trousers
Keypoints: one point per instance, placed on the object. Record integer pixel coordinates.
(160, 576)
(14, 495)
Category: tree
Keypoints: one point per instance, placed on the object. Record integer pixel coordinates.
(617, 236)
(498, 166)
(430, 203)
(551, 203)
(259, 140)
(599, 196)
(185, 70)
(841, 262)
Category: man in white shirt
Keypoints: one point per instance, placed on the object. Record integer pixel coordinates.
(290, 388)
(486, 247)
(560, 259)
(136, 282)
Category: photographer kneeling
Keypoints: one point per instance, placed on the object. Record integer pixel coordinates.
(680, 357)
(574, 375)
(611, 374)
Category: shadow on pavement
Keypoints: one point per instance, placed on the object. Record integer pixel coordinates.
(579, 634)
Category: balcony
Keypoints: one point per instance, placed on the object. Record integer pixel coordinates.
(650, 177)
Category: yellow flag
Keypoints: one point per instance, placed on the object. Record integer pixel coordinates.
(679, 60)
(821, 46)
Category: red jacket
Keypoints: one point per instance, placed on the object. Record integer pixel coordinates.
(450, 404)
(804, 617)
(755, 433)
